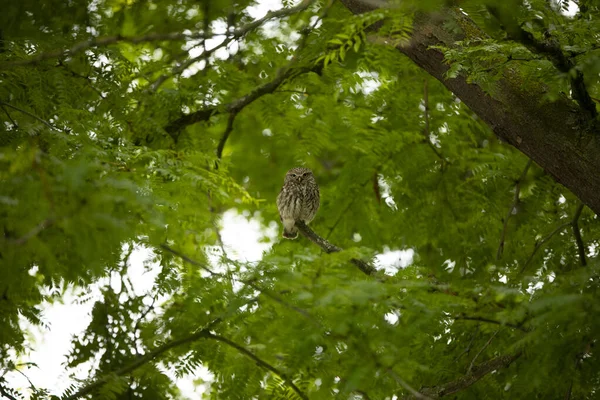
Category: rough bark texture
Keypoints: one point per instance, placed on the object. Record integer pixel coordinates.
(559, 136)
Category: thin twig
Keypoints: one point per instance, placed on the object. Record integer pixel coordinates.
(491, 321)
(513, 205)
(543, 241)
(100, 42)
(468, 349)
(235, 35)
(48, 124)
(577, 234)
(237, 105)
(481, 351)
(247, 282)
(8, 115)
(331, 248)
(138, 362)
(4, 393)
(259, 361)
(34, 232)
(427, 132)
(465, 381)
(225, 136)
(406, 386)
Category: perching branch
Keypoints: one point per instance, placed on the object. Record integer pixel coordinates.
(577, 234)
(477, 373)
(513, 205)
(260, 362)
(331, 248)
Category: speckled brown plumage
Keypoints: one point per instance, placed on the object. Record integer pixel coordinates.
(298, 200)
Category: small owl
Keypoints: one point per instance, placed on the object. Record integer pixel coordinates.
(298, 200)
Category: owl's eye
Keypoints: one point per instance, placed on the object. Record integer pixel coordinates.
(294, 175)
(306, 173)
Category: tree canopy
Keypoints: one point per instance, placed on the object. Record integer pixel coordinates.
(463, 131)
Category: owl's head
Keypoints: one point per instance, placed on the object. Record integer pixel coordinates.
(299, 175)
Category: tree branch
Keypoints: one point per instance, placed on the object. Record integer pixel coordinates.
(237, 105)
(226, 134)
(248, 282)
(236, 34)
(511, 209)
(477, 373)
(552, 50)
(48, 222)
(427, 131)
(43, 121)
(143, 360)
(491, 321)
(540, 243)
(260, 362)
(331, 248)
(5, 393)
(577, 234)
(481, 351)
(102, 41)
(406, 386)
(556, 135)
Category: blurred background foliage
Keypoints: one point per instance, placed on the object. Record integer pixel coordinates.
(123, 127)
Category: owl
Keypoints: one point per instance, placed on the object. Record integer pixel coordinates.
(298, 200)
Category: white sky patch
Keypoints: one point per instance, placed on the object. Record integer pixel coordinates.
(369, 84)
(263, 7)
(386, 193)
(393, 260)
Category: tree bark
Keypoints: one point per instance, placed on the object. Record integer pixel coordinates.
(559, 136)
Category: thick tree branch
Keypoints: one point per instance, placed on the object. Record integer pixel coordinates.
(476, 374)
(260, 362)
(331, 248)
(511, 210)
(555, 135)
